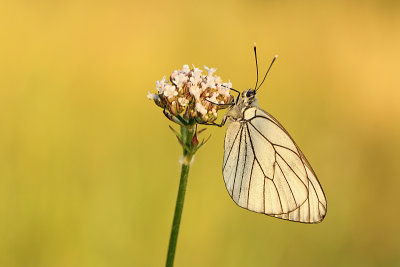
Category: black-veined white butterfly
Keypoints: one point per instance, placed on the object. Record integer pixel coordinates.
(263, 168)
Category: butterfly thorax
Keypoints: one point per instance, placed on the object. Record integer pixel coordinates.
(247, 99)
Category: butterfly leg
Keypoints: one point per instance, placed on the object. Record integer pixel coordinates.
(221, 105)
(213, 123)
(236, 91)
(171, 117)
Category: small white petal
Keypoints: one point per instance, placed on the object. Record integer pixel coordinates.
(183, 101)
(225, 89)
(169, 91)
(186, 69)
(174, 74)
(195, 91)
(213, 98)
(200, 108)
(196, 72)
(150, 96)
(210, 71)
(180, 79)
(161, 85)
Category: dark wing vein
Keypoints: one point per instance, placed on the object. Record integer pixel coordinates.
(279, 196)
(297, 153)
(264, 194)
(230, 150)
(254, 153)
(309, 167)
(316, 194)
(291, 191)
(277, 123)
(259, 116)
(244, 165)
(251, 174)
(308, 202)
(237, 160)
(293, 170)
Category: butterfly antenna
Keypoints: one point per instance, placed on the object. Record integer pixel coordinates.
(273, 60)
(255, 55)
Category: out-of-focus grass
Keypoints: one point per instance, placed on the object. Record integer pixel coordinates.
(89, 170)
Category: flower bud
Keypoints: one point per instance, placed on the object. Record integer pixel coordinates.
(195, 141)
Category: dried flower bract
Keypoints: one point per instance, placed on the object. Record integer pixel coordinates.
(192, 96)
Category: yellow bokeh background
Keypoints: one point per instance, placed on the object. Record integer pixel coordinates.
(89, 169)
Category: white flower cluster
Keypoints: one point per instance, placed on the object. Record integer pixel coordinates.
(191, 94)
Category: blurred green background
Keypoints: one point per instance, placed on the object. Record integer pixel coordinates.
(89, 169)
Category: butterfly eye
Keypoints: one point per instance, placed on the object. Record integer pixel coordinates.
(250, 93)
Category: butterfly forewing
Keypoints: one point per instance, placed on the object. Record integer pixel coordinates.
(265, 171)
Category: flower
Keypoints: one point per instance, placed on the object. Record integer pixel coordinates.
(200, 108)
(169, 91)
(186, 69)
(210, 71)
(180, 80)
(183, 101)
(191, 95)
(161, 85)
(213, 98)
(150, 96)
(224, 89)
(195, 91)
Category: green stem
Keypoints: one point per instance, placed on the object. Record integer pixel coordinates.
(178, 214)
(187, 134)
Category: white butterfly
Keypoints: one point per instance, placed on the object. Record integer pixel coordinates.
(263, 168)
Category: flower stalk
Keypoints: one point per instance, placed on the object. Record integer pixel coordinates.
(189, 98)
(189, 148)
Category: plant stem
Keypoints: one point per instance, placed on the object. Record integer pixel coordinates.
(177, 216)
(187, 134)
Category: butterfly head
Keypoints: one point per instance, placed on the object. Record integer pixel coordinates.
(249, 93)
(248, 96)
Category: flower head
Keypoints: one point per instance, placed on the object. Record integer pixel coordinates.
(193, 96)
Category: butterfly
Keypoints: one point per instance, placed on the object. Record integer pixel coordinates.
(263, 168)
